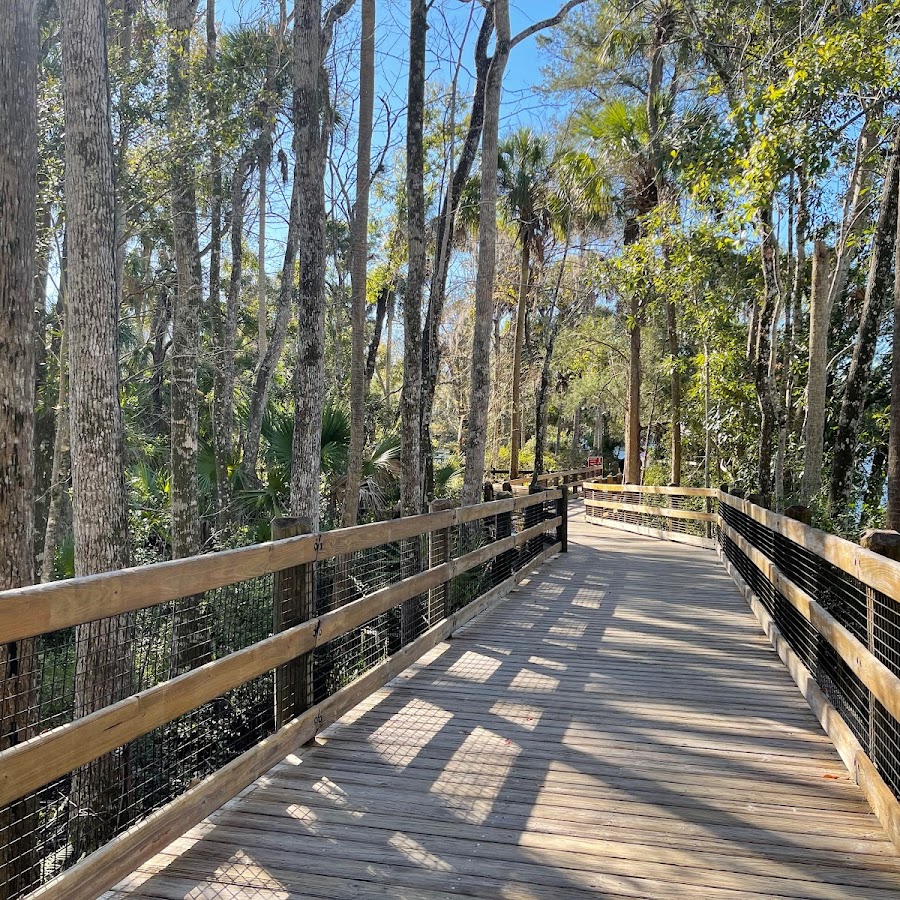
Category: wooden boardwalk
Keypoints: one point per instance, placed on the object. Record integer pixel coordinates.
(618, 727)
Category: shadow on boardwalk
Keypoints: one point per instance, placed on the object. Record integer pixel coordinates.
(618, 727)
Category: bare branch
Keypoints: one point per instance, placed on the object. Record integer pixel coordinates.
(545, 23)
(334, 14)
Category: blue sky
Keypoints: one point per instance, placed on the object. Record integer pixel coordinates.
(453, 28)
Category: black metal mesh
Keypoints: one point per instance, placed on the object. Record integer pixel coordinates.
(68, 673)
(869, 615)
(78, 670)
(659, 521)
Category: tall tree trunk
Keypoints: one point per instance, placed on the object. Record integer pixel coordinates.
(270, 347)
(830, 273)
(575, 449)
(388, 348)
(480, 381)
(233, 297)
(765, 388)
(672, 335)
(816, 381)
(518, 340)
(262, 320)
(543, 391)
(799, 288)
(61, 467)
(446, 228)
(707, 432)
(19, 869)
(877, 289)
(633, 404)
(221, 426)
(411, 397)
(599, 428)
(381, 304)
(893, 462)
(358, 264)
(103, 648)
(312, 38)
(190, 640)
(265, 371)
(309, 173)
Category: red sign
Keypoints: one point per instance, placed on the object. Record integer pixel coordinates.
(595, 460)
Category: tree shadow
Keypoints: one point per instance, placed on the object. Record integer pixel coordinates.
(618, 727)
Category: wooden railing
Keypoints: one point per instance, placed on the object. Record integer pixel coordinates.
(572, 478)
(200, 707)
(680, 514)
(830, 607)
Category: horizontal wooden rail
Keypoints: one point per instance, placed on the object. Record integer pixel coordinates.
(880, 680)
(39, 760)
(863, 771)
(664, 489)
(601, 498)
(100, 871)
(566, 476)
(872, 573)
(668, 511)
(876, 571)
(38, 609)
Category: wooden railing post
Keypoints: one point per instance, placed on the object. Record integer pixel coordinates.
(799, 513)
(884, 543)
(562, 530)
(506, 561)
(438, 554)
(294, 603)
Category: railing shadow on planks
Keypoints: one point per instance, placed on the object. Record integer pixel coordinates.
(146, 698)
(830, 608)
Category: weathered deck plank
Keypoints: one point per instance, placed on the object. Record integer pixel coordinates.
(619, 727)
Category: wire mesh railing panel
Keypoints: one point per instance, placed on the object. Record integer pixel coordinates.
(350, 577)
(869, 615)
(65, 675)
(78, 670)
(616, 503)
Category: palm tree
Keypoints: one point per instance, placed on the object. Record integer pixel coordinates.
(523, 180)
(621, 152)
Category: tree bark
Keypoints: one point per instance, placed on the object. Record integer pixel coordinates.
(262, 320)
(480, 379)
(312, 38)
(599, 423)
(518, 340)
(633, 405)
(446, 229)
(816, 382)
(103, 648)
(381, 304)
(358, 264)
(221, 424)
(61, 466)
(856, 391)
(672, 335)
(575, 449)
(765, 389)
(190, 640)
(265, 371)
(411, 395)
(270, 347)
(19, 870)
(185, 511)
(829, 282)
(893, 462)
